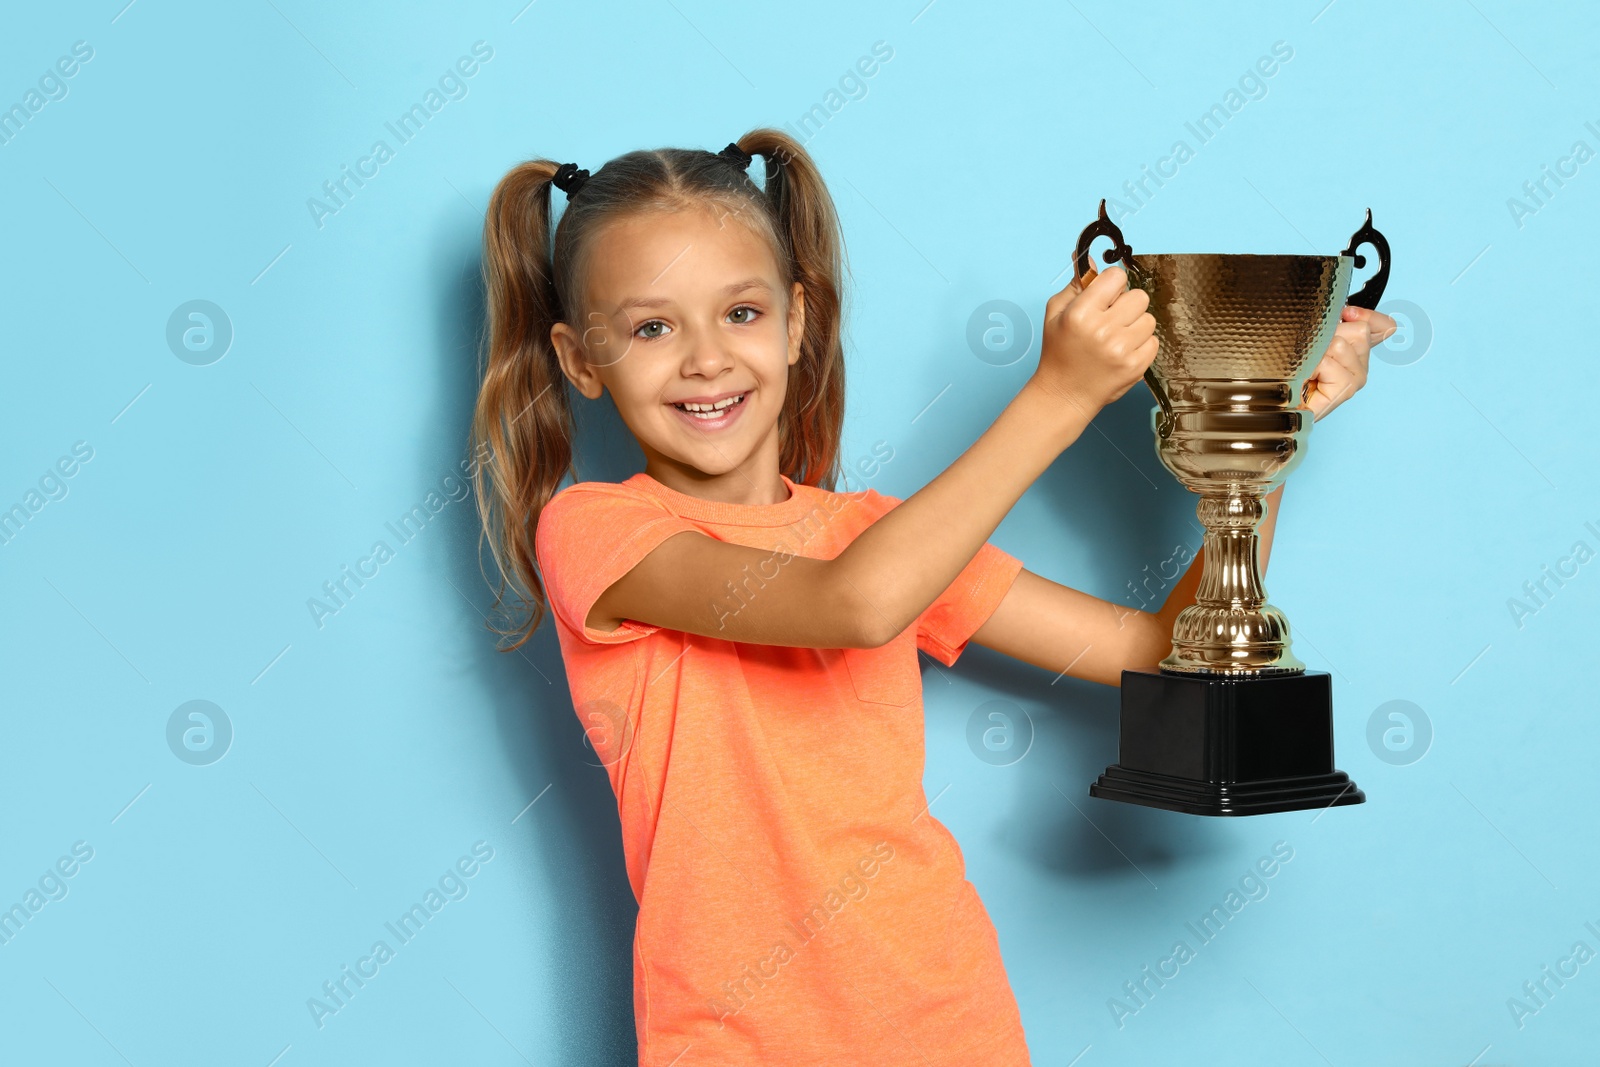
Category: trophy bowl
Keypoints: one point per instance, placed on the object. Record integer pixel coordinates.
(1232, 723)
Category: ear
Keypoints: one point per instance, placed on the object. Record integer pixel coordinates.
(797, 321)
(569, 353)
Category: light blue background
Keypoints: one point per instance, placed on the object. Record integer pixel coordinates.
(370, 753)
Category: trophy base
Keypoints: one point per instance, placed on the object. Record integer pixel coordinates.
(1219, 745)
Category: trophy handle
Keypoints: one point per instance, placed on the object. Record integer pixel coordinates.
(1083, 268)
(1372, 292)
(1084, 273)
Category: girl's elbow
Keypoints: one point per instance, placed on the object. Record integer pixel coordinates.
(865, 629)
(854, 619)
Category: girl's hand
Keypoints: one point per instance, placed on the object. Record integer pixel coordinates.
(1343, 369)
(1097, 342)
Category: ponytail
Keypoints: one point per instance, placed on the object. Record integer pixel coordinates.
(808, 227)
(522, 423)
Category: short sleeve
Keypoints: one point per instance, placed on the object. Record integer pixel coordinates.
(944, 629)
(589, 535)
(946, 625)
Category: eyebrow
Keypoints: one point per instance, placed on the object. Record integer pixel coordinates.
(736, 287)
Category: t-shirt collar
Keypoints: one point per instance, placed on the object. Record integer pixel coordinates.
(802, 499)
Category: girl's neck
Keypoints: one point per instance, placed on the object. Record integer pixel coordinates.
(755, 481)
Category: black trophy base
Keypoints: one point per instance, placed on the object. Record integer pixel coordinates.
(1212, 745)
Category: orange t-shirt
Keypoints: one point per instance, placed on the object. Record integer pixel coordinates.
(798, 903)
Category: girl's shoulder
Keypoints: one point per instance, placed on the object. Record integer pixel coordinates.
(596, 493)
(874, 502)
(584, 516)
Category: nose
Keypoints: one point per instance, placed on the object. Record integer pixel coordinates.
(707, 355)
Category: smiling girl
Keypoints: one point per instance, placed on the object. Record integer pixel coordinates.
(740, 639)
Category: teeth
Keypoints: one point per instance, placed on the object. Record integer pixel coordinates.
(709, 411)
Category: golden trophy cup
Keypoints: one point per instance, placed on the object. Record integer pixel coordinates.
(1232, 723)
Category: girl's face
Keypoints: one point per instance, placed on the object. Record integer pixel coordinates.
(686, 321)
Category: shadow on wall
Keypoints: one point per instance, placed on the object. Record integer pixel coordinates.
(1055, 825)
(1108, 491)
(585, 906)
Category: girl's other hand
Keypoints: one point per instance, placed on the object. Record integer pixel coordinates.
(1343, 370)
(1097, 342)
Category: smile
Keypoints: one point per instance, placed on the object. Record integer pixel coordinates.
(715, 414)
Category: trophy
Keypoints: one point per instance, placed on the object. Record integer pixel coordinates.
(1232, 723)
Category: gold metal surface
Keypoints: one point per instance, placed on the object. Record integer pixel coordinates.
(1239, 338)
(1238, 335)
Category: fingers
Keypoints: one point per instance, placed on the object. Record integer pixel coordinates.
(1330, 387)
(1342, 371)
(1098, 295)
(1351, 339)
(1107, 286)
(1142, 328)
(1058, 303)
(1142, 357)
(1129, 306)
(1380, 327)
(1101, 292)
(1355, 344)
(1145, 354)
(1119, 330)
(1320, 402)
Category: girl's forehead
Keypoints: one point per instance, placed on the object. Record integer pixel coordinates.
(677, 251)
(706, 224)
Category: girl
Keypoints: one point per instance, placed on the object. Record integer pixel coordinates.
(741, 640)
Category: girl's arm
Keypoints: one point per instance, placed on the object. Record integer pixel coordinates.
(1061, 629)
(1096, 346)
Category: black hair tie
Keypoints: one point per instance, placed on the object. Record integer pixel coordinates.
(569, 179)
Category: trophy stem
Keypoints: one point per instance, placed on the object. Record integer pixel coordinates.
(1231, 577)
(1230, 628)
